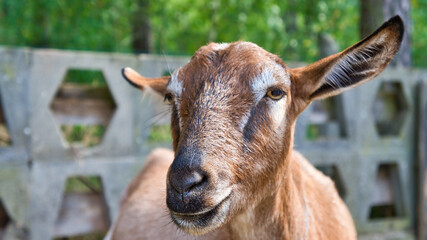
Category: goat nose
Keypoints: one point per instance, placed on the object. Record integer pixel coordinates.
(185, 182)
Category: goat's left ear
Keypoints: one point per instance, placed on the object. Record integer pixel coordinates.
(138, 81)
(351, 67)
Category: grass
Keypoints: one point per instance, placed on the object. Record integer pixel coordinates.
(84, 136)
(160, 134)
(94, 78)
(80, 184)
(312, 132)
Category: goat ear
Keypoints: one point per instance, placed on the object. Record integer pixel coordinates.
(140, 82)
(351, 67)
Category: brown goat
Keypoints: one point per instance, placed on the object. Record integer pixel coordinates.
(233, 173)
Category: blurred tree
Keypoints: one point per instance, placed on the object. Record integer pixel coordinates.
(39, 32)
(99, 25)
(141, 27)
(327, 45)
(289, 28)
(375, 12)
(419, 32)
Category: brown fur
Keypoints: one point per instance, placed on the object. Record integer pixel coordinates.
(143, 212)
(242, 141)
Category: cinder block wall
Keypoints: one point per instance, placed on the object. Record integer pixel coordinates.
(365, 139)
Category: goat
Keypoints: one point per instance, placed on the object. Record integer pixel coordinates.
(233, 173)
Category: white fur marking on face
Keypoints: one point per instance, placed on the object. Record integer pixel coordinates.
(220, 46)
(262, 82)
(244, 121)
(221, 195)
(260, 85)
(175, 86)
(270, 76)
(278, 112)
(181, 126)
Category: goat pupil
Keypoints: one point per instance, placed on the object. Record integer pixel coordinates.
(168, 98)
(276, 93)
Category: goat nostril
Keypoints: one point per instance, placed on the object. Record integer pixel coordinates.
(185, 183)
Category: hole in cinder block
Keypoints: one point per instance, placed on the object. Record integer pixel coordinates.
(83, 107)
(5, 139)
(326, 120)
(4, 219)
(386, 199)
(167, 72)
(389, 109)
(84, 212)
(91, 236)
(332, 172)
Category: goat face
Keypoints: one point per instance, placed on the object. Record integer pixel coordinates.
(231, 124)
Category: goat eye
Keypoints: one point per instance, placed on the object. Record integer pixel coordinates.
(275, 94)
(169, 98)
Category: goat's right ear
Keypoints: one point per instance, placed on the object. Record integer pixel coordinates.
(349, 68)
(140, 82)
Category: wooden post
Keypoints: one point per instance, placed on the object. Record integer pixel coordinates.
(141, 27)
(374, 12)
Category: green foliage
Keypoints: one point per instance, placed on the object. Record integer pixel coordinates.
(288, 28)
(82, 184)
(100, 25)
(86, 77)
(160, 134)
(312, 132)
(419, 32)
(85, 136)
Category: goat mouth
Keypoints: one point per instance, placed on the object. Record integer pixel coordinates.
(207, 210)
(202, 222)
